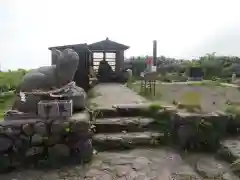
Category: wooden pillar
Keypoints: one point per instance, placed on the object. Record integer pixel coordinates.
(119, 60)
(53, 59)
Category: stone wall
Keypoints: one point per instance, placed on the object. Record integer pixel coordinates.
(45, 143)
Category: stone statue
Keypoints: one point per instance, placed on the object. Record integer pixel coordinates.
(49, 82)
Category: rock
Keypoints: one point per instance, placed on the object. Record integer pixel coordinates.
(210, 168)
(22, 142)
(5, 162)
(37, 140)
(83, 151)
(93, 173)
(141, 163)
(80, 122)
(123, 170)
(6, 143)
(59, 150)
(78, 96)
(40, 128)
(57, 127)
(186, 135)
(27, 129)
(34, 151)
(53, 139)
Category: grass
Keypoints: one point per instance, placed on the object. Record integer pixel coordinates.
(6, 100)
(233, 109)
(191, 98)
(137, 88)
(190, 101)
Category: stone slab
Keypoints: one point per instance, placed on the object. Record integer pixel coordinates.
(127, 140)
(120, 124)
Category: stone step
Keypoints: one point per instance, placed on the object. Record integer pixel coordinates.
(108, 141)
(120, 124)
(127, 110)
(230, 152)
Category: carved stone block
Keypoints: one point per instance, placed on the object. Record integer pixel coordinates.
(48, 109)
(55, 109)
(65, 108)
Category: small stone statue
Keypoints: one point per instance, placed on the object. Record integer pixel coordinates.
(51, 82)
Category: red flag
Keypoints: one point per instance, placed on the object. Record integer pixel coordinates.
(149, 61)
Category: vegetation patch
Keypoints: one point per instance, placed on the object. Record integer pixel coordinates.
(233, 109)
(190, 101)
(6, 101)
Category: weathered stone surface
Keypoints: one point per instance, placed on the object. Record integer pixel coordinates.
(141, 164)
(53, 139)
(129, 124)
(59, 150)
(79, 97)
(46, 142)
(127, 140)
(48, 77)
(28, 129)
(34, 151)
(80, 122)
(211, 168)
(16, 115)
(230, 149)
(40, 128)
(83, 151)
(5, 143)
(58, 126)
(163, 164)
(5, 162)
(55, 109)
(48, 109)
(37, 139)
(186, 135)
(186, 117)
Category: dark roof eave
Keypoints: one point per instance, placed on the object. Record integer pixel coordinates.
(107, 45)
(73, 46)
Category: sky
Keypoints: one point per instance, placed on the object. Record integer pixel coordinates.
(183, 28)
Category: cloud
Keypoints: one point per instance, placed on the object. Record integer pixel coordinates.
(181, 27)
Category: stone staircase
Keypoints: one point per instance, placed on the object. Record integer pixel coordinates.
(115, 133)
(125, 128)
(130, 127)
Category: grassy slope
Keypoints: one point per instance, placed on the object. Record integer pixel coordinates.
(211, 95)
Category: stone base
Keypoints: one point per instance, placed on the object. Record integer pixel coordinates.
(197, 131)
(37, 142)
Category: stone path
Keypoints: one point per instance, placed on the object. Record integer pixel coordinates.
(138, 164)
(109, 94)
(162, 163)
